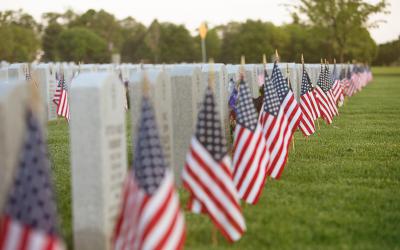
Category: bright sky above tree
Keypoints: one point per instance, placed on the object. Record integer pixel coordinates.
(191, 13)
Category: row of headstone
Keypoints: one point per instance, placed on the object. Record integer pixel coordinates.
(97, 129)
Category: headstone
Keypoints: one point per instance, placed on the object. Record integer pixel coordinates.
(3, 75)
(98, 157)
(16, 71)
(251, 78)
(15, 98)
(220, 88)
(160, 94)
(44, 76)
(12, 126)
(186, 88)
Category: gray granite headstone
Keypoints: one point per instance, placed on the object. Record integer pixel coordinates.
(186, 87)
(161, 97)
(220, 88)
(98, 157)
(46, 80)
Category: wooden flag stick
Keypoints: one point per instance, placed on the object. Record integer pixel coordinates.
(242, 63)
(293, 145)
(276, 55)
(264, 60)
(211, 75)
(145, 85)
(214, 236)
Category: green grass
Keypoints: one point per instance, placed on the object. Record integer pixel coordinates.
(340, 189)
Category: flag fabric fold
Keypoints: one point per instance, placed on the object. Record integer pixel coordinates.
(280, 118)
(207, 173)
(61, 98)
(308, 106)
(29, 220)
(250, 154)
(150, 217)
(322, 98)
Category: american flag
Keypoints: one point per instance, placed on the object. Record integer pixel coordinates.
(250, 154)
(280, 118)
(207, 173)
(150, 217)
(61, 98)
(308, 106)
(29, 220)
(234, 95)
(346, 82)
(329, 93)
(337, 90)
(322, 98)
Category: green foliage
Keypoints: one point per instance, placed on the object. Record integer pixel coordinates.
(213, 45)
(81, 44)
(49, 45)
(343, 23)
(320, 29)
(388, 53)
(340, 189)
(103, 24)
(19, 40)
(252, 39)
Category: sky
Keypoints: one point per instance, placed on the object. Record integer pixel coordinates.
(192, 13)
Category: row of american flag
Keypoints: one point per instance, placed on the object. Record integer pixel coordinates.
(150, 216)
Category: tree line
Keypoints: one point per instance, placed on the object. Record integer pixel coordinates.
(320, 29)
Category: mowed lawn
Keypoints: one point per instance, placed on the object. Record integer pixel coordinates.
(340, 188)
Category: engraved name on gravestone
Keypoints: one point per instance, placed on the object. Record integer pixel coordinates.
(98, 157)
(183, 81)
(220, 91)
(160, 94)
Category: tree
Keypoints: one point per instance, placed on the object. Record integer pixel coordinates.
(81, 44)
(133, 34)
(388, 53)
(252, 39)
(213, 45)
(339, 20)
(19, 36)
(50, 36)
(103, 24)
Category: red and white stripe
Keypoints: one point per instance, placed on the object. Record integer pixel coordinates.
(306, 124)
(337, 91)
(332, 103)
(323, 105)
(314, 105)
(14, 235)
(250, 162)
(210, 184)
(63, 105)
(150, 221)
(279, 131)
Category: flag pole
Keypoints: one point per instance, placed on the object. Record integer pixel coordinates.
(242, 63)
(264, 60)
(276, 56)
(211, 75)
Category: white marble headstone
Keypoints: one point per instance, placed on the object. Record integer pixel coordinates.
(98, 157)
(13, 102)
(16, 71)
